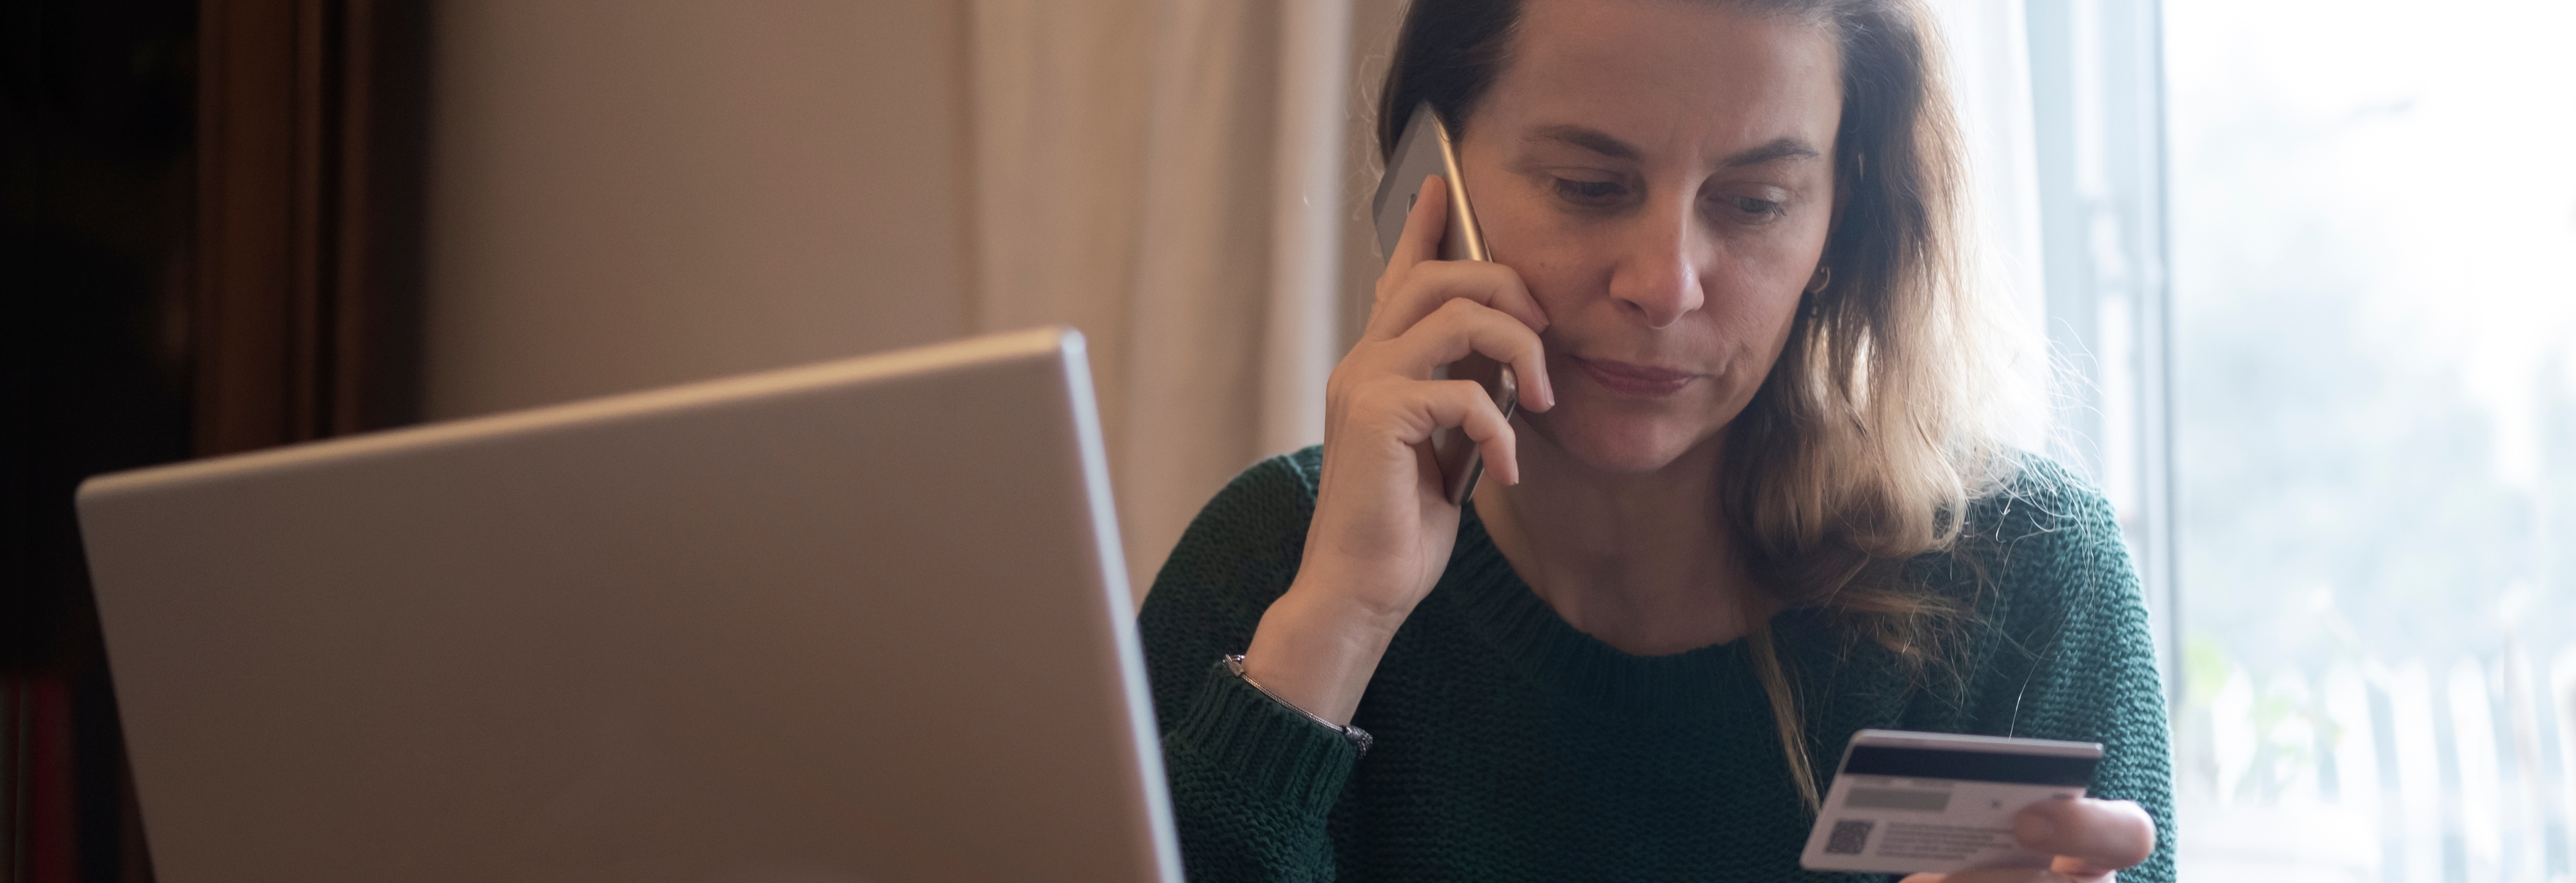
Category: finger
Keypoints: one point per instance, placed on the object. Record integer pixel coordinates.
(1485, 424)
(2011, 875)
(1423, 225)
(1996, 875)
(1461, 327)
(1432, 285)
(2090, 837)
(1401, 297)
(2068, 867)
(1416, 409)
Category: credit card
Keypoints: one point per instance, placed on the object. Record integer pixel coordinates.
(1908, 803)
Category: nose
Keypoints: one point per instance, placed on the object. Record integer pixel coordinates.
(1656, 279)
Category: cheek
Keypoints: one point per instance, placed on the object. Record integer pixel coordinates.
(1755, 300)
(1554, 270)
(1559, 259)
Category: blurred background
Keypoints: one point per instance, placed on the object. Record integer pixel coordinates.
(2373, 412)
(2297, 265)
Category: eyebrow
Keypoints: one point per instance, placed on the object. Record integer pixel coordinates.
(1778, 149)
(1600, 142)
(1588, 139)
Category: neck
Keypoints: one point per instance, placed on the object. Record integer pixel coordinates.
(1644, 563)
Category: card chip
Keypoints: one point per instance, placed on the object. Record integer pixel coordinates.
(1849, 836)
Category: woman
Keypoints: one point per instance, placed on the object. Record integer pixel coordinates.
(1746, 511)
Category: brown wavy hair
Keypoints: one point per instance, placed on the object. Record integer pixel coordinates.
(1877, 424)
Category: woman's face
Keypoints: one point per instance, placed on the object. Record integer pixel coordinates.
(1660, 174)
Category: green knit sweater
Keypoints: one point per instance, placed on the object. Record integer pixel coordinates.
(1512, 747)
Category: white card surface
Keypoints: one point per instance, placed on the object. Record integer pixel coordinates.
(1905, 803)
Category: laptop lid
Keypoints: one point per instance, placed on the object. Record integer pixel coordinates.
(859, 621)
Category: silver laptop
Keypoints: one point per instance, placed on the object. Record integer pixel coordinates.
(859, 621)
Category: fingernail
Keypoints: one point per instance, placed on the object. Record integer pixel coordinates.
(2031, 829)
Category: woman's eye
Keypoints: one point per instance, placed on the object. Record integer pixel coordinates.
(1591, 193)
(1755, 207)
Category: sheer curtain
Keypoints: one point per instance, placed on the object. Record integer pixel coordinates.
(1167, 175)
(1990, 78)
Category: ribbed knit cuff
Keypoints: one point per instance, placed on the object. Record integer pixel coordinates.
(1277, 752)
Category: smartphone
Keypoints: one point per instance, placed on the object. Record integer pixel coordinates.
(1907, 803)
(1425, 149)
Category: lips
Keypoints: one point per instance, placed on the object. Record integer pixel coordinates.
(1633, 381)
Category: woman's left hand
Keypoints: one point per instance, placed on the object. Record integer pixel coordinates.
(2092, 839)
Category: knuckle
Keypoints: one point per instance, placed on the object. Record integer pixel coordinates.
(1460, 309)
(1468, 394)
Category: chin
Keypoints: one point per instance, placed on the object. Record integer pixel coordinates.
(1618, 444)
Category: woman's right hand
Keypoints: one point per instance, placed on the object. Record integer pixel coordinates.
(1383, 527)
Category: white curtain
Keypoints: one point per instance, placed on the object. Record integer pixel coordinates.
(1166, 175)
(1990, 78)
(1990, 82)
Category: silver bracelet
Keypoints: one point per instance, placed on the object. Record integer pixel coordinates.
(1360, 738)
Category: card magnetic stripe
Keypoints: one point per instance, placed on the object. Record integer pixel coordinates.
(1973, 766)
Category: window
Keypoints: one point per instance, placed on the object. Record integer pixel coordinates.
(2373, 210)
(2309, 262)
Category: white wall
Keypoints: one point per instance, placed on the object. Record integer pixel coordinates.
(632, 193)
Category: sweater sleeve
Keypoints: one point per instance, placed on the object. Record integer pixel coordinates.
(1252, 781)
(2077, 661)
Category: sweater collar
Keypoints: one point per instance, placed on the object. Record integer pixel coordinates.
(1502, 610)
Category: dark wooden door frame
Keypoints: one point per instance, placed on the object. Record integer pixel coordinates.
(304, 308)
(300, 293)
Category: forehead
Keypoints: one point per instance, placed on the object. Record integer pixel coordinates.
(1696, 75)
